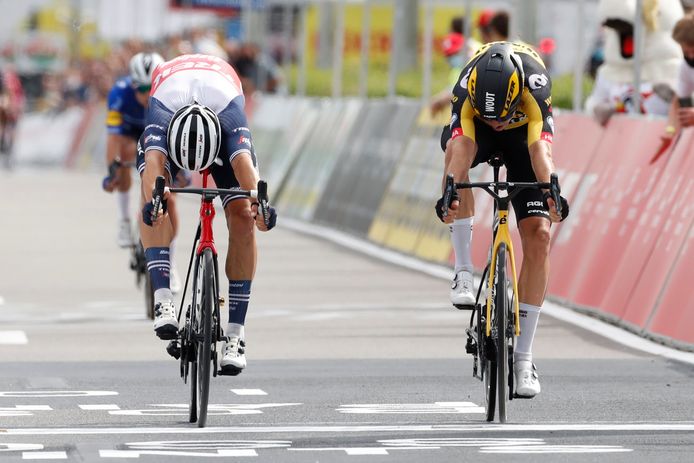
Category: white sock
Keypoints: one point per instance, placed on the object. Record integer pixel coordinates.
(461, 237)
(172, 246)
(234, 329)
(123, 198)
(163, 294)
(529, 315)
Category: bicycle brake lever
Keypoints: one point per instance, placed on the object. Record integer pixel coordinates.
(157, 196)
(263, 201)
(448, 192)
(555, 191)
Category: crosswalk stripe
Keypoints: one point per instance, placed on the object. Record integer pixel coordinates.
(44, 456)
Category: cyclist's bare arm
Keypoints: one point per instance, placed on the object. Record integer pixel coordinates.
(248, 177)
(543, 166)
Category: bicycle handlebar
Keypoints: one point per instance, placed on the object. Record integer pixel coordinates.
(210, 193)
(513, 189)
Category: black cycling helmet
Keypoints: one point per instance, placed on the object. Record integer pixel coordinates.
(495, 84)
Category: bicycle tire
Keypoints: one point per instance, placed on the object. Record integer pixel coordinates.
(487, 362)
(501, 325)
(204, 349)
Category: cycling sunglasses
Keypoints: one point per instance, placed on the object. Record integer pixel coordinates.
(143, 88)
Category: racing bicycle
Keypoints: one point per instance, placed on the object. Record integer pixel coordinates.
(138, 263)
(195, 344)
(494, 324)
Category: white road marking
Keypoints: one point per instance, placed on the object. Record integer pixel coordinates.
(248, 391)
(208, 444)
(100, 407)
(139, 453)
(592, 324)
(437, 407)
(487, 428)
(212, 409)
(13, 337)
(19, 447)
(23, 410)
(2, 300)
(44, 456)
(461, 442)
(56, 393)
(556, 449)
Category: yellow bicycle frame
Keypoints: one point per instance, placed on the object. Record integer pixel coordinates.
(502, 236)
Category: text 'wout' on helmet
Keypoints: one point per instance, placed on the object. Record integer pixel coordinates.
(495, 84)
(194, 137)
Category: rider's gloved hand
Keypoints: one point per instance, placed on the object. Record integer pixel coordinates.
(439, 208)
(271, 217)
(259, 219)
(148, 210)
(564, 205)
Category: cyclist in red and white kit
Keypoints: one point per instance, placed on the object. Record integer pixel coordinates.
(196, 121)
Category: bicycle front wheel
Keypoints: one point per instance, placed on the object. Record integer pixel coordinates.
(208, 297)
(501, 325)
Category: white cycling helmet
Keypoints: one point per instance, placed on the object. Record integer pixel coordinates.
(142, 67)
(194, 137)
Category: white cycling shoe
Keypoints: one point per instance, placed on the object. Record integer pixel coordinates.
(462, 289)
(125, 234)
(165, 320)
(527, 380)
(233, 356)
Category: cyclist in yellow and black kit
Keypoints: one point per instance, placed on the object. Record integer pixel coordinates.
(502, 104)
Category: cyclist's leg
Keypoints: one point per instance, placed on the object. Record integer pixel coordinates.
(237, 170)
(534, 228)
(156, 241)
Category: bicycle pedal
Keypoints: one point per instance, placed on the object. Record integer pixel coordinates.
(229, 371)
(174, 349)
(166, 333)
(464, 306)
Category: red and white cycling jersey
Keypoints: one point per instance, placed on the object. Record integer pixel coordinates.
(208, 80)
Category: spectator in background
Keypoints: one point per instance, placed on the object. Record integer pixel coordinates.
(493, 26)
(681, 111)
(457, 50)
(11, 108)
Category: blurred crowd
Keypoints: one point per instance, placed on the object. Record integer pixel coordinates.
(89, 80)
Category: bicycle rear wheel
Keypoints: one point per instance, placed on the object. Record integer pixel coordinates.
(208, 297)
(501, 325)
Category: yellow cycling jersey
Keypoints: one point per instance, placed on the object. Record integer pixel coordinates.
(534, 109)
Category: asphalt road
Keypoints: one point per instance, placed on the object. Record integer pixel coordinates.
(350, 359)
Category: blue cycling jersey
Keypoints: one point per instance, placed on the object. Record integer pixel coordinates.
(125, 115)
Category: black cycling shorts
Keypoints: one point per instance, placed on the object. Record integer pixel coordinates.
(512, 145)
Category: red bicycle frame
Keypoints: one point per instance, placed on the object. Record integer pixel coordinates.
(207, 214)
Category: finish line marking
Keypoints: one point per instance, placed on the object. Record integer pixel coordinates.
(13, 337)
(486, 428)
